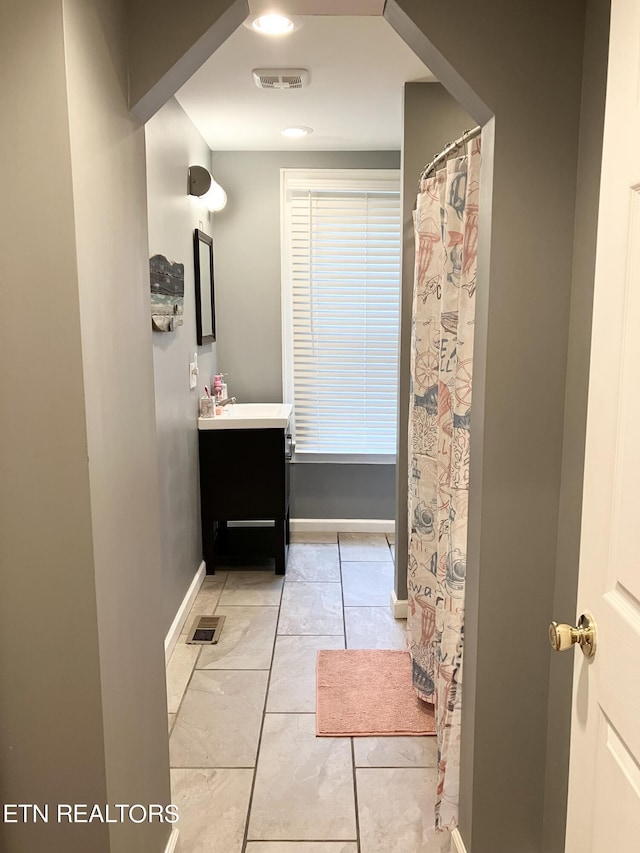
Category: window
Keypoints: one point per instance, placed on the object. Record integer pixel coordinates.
(341, 235)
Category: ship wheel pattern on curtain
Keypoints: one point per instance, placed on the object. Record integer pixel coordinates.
(446, 233)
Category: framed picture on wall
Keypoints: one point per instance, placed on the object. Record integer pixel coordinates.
(167, 293)
(205, 295)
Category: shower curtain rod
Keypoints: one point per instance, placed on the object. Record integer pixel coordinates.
(448, 149)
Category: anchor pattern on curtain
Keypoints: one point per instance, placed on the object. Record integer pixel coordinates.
(446, 234)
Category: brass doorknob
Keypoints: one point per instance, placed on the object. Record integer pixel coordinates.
(562, 637)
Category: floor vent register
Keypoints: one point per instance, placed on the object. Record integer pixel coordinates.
(205, 630)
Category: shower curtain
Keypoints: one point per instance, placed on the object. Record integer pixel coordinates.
(446, 230)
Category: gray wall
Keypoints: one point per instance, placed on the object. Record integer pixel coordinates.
(248, 307)
(519, 402)
(173, 144)
(83, 710)
(570, 512)
(167, 46)
(107, 154)
(522, 324)
(326, 490)
(46, 548)
(431, 118)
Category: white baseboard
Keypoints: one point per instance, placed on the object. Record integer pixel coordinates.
(172, 843)
(343, 525)
(399, 606)
(183, 611)
(458, 843)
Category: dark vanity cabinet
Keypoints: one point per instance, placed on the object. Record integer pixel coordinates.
(244, 476)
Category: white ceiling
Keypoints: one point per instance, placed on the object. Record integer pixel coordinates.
(354, 102)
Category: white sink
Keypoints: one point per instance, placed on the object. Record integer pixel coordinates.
(249, 416)
(252, 410)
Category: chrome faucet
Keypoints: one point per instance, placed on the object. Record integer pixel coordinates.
(229, 401)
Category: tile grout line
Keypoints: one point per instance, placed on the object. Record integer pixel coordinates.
(353, 752)
(342, 841)
(245, 840)
(197, 658)
(220, 604)
(306, 714)
(186, 687)
(239, 607)
(245, 837)
(310, 635)
(232, 669)
(209, 767)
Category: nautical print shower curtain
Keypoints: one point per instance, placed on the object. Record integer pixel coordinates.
(446, 232)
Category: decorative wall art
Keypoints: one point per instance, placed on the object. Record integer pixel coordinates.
(167, 294)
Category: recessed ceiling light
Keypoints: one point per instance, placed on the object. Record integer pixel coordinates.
(273, 25)
(296, 132)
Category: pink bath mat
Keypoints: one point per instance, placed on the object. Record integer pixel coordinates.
(368, 693)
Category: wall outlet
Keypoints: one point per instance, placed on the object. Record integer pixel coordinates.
(193, 372)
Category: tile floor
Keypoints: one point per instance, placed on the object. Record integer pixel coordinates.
(247, 771)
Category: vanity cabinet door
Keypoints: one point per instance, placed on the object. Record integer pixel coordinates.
(244, 473)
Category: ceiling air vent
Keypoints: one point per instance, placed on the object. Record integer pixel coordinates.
(281, 78)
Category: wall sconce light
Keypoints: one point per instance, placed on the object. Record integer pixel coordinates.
(202, 185)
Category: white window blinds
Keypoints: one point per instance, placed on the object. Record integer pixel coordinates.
(341, 265)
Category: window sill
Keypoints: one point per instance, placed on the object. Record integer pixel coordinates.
(345, 458)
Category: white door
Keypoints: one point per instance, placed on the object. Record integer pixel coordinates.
(604, 782)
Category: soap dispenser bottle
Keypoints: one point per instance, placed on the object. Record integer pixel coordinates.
(218, 386)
